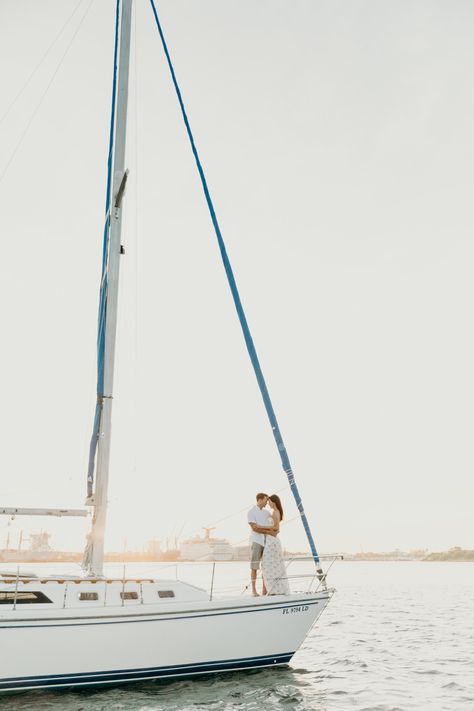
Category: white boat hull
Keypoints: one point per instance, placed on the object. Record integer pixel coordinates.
(110, 646)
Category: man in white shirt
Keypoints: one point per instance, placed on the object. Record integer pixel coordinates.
(258, 519)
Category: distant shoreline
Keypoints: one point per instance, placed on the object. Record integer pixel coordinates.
(432, 558)
(453, 555)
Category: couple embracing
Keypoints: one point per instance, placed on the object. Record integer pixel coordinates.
(266, 547)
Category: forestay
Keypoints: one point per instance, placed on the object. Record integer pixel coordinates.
(238, 305)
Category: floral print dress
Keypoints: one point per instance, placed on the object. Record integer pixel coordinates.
(273, 566)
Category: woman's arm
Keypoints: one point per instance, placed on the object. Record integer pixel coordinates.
(276, 521)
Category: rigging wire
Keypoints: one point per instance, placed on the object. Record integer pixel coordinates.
(43, 96)
(243, 510)
(239, 307)
(40, 63)
(246, 539)
(285, 522)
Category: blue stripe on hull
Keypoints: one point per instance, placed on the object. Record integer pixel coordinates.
(124, 675)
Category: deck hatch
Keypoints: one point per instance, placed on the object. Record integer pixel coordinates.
(88, 596)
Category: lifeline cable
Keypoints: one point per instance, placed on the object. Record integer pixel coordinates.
(239, 308)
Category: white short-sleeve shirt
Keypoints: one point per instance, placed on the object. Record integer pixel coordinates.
(261, 518)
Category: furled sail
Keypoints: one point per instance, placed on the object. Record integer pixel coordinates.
(104, 279)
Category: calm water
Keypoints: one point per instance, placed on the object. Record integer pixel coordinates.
(395, 636)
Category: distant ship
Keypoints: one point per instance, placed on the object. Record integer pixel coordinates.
(207, 548)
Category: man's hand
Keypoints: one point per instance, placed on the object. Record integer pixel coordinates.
(263, 529)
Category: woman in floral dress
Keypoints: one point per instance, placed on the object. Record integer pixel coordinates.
(273, 566)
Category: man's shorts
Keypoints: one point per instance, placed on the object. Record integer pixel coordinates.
(256, 552)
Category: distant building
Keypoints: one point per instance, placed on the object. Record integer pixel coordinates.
(153, 549)
(39, 542)
(242, 552)
(38, 551)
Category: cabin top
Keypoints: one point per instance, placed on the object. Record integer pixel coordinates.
(45, 593)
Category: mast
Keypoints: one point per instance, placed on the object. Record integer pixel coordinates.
(95, 553)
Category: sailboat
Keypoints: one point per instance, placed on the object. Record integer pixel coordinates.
(70, 631)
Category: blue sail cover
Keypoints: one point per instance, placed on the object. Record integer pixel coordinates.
(104, 278)
(238, 305)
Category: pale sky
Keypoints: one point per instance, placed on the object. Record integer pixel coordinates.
(337, 137)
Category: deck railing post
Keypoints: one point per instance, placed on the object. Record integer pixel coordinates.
(16, 586)
(212, 580)
(123, 585)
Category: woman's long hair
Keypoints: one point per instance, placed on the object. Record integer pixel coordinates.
(277, 502)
